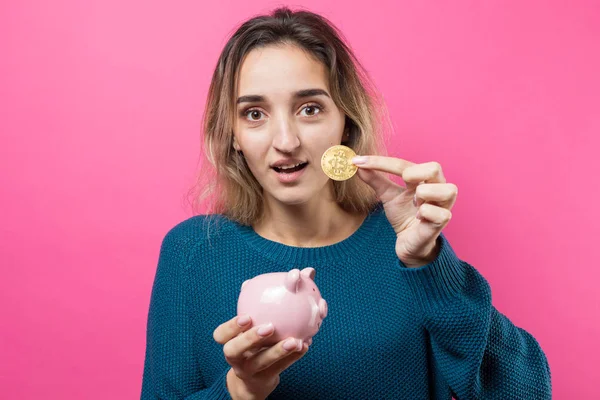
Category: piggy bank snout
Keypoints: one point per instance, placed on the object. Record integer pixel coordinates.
(322, 308)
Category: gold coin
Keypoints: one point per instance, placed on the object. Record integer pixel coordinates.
(337, 163)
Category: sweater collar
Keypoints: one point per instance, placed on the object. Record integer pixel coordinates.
(356, 246)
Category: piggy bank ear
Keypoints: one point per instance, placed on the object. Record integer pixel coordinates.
(243, 283)
(309, 273)
(291, 280)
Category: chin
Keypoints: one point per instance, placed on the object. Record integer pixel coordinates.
(297, 195)
(293, 195)
(292, 199)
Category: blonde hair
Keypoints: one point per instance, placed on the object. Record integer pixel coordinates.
(224, 178)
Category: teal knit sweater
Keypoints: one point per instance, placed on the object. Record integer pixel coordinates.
(392, 332)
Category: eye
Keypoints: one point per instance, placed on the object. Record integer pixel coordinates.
(253, 113)
(312, 110)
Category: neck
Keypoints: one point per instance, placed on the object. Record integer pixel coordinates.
(317, 222)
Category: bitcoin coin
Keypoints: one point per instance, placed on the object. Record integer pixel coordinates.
(337, 163)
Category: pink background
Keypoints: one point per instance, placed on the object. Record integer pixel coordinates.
(100, 118)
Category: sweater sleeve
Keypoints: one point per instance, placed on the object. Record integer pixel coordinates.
(171, 369)
(480, 353)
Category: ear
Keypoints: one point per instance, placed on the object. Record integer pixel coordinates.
(292, 280)
(347, 126)
(308, 273)
(346, 136)
(236, 146)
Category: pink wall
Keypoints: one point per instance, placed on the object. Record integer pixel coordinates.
(99, 122)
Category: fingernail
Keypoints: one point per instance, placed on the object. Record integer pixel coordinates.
(418, 214)
(265, 329)
(243, 320)
(415, 199)
(359, 160)
(300, 345)
(290, 344)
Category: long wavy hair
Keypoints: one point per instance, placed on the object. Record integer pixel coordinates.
(224, 184)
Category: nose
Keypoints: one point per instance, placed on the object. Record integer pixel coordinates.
(285, 136)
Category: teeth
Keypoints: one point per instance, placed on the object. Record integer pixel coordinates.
(289, 166)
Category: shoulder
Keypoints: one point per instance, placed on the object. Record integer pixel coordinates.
(196, 231)
(191, 243)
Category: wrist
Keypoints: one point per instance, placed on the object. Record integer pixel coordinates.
(234, 387)
(431, 255)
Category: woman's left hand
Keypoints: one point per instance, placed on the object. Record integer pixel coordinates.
(417, 212)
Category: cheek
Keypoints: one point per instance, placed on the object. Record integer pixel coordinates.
(254, 144)
(255, 151)
(328, 134)
(319, 143)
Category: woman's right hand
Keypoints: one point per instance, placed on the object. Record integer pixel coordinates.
(255, 369)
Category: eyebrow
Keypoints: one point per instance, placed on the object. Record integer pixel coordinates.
(253, 98)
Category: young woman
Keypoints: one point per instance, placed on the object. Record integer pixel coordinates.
(407, 318)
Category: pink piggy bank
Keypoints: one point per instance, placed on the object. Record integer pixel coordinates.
(290, 300)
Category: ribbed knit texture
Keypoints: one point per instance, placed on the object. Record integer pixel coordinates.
(392, 332)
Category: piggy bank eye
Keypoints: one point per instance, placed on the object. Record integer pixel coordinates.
(314, 290)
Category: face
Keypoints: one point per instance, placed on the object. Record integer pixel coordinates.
(285, 120)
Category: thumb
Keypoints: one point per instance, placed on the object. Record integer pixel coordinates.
(385, 188)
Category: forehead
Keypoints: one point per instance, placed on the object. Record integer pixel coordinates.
(282, 69)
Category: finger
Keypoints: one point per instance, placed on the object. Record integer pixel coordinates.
(434, 218)
(281, 365)
(270, 356)
(254, 351)
(230, 329)
(393, 165)
(439, 194)
(235, 348)
(430, 172)
(384, 188)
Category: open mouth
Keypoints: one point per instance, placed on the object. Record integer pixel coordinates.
(290, 169)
